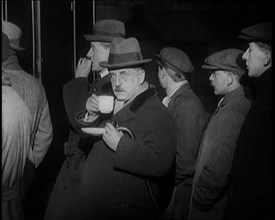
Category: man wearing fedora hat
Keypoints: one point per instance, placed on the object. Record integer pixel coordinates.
(251, 177)
(75, 94)
(188, 112)
(33, 93)
(121, 173)
(211, 179)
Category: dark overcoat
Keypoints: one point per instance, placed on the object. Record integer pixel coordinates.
(112, 185)
(250, 194)
(77, 91)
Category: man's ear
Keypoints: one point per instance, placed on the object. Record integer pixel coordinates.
(267, 58)
(141, 76)
(230, 79)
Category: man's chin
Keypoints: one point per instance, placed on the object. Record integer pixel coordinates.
(120, 98)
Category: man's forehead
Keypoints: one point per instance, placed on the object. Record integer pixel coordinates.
(99, 43)
(125, 70)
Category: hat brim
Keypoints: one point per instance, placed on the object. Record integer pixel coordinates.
(209, 67)
(242, 36)
(15, 47)
(99, 38)
(124, 65)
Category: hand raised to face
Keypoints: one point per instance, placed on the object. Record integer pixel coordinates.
(83, 67)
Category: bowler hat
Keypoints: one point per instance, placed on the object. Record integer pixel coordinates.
(228, 60)
(176, 59)
(5, 47)
(124, 53)
(14, 34)
(106, 30)
(258, 32)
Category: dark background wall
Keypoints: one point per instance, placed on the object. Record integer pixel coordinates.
(198, 27)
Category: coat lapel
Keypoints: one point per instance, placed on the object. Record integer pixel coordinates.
(129, 112)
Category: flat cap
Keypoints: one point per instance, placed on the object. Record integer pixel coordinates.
(228, 60)
(258, 32)
(176, 59)
(5, 47)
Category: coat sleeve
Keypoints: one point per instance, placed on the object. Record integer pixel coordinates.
(214, 178)
(149, 155)
(44, 134)
(75, 95)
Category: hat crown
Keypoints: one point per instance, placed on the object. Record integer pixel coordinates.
(124, 46)
(109, 26)
(124, 53)
(106, 30)
(11, 30)
(14, 34)
(259, 32)
(177, 59)
(228, 59)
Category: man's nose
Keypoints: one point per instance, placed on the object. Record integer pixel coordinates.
(211, 77)
(244, 56)
(117, 81)
(90, 53)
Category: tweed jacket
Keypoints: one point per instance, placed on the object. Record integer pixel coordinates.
(190, 117)
(112, 184)
(16, 131)
(33, 93)
(211, 180)
(250, 193)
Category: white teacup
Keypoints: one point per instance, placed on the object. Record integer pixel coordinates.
(105, 103)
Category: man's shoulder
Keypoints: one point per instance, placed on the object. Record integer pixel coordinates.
(22, 78)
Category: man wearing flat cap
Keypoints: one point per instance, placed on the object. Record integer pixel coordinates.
(33, 93)
(251, 176)
(121, 173)
(188, 112)
(211, 180)
(75, 94)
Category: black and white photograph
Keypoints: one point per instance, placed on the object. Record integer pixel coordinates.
(136, 110)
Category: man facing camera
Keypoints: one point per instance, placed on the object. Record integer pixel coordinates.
(119, 177)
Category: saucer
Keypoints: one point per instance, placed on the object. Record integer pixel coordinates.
(94, 131)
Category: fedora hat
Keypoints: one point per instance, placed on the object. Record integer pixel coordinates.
(258, 32)
(228, 60)
(14, 34)
(124, 53)
(106, 30)
(5, 47)
(175, 59)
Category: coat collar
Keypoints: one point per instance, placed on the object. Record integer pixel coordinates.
(128, 112)
(183, 90)
(232, 95)
(11, 63)
(263, 82)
